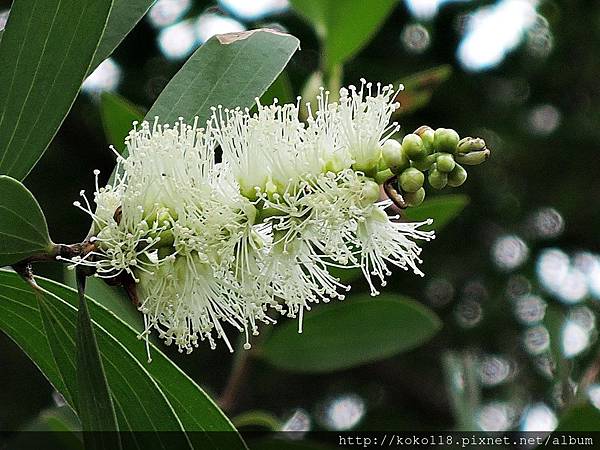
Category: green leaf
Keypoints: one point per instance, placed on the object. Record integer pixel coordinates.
(118, 115)
(230, 70)
(360, 330)
(125, 14)
(23, 228)
(582, 417)
(344, 28)
(155, 396)
(95, 404)
(442, 209)
(46, 50)
(419, 87)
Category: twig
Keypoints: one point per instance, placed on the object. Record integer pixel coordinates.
(241, 367)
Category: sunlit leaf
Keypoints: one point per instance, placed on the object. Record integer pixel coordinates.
(229, 70)
(359, 330)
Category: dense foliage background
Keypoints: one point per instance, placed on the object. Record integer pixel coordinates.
(515, 278)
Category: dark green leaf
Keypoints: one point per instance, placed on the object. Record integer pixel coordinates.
(442, 209)
(345, 29)
(419, 87)
(360, 330)
(125, 14)
(46, 50)
(153, 396)
(229, 70)
(117, 118)
(23, 229)
(286, 444)
(584, 417)
(94, 400)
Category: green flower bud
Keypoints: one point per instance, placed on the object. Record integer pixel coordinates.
(425, 163)
(437, 179)
(411, 180)
(369, 193)
(415, 198)
(457, 177)
(445, 162)
(469, 144)
(427, 136)
(445, 140)
(473, 158)
(383, 175)
(413, 147)
(394, 156)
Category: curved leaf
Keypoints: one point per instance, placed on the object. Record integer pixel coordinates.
(23, 228)
(360, 330)
(96, 408)
(46, 50)
(155, 396)
(230, 70)
(125, 14)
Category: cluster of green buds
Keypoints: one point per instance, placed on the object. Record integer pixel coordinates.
(439, 152)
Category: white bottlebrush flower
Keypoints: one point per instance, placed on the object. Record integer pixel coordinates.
(212, 245)
(363, 120)
(261, 149)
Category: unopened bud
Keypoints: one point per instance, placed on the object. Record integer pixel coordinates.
(383, 175)
(393, 156)
(369, 193)
(437, 179)
(469, 144)
(473, 158)
(427, 136)
(413, 147)
(445, 140)
(457, 177)
(445, 162)
(411, 180)
(415, 198)
(425, 163)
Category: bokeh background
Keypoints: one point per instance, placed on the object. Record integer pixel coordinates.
(515, 278)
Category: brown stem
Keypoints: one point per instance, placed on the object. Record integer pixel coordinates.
(241, 367)
(590, 375)
(393, 194)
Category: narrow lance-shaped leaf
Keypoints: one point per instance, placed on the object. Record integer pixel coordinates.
(46, 50)
(355, 332)
(151, 397)
(125, 14)
(95, 405)
(23, 228)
